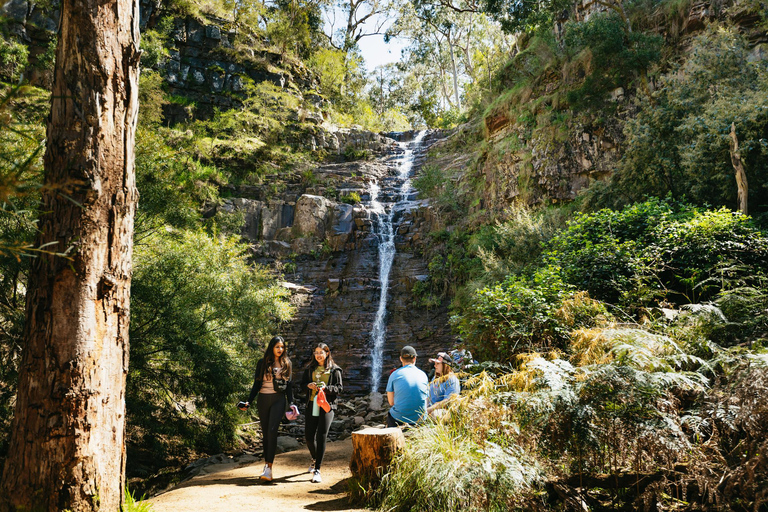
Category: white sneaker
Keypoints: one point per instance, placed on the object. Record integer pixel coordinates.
(266, 474)
(316, 477)
(311, 468)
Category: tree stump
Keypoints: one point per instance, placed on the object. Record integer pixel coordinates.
(372, 452)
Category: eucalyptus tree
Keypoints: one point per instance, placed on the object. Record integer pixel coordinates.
(359, 19)
(460, 44)
(66, 447)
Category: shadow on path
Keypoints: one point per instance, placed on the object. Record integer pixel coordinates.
(239, 481)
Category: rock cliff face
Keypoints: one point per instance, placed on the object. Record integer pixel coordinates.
(329, 254)
(553, 165)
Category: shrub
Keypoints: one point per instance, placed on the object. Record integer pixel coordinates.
(516, 244)
(151, 97)
(524, 314)
(13, 59)
(351, 153)
(659, 251)
(697, 257)
(153, 49)
(601, 252)
(196, 304)
(351, 198)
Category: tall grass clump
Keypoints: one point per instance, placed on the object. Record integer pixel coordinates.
(444, 469)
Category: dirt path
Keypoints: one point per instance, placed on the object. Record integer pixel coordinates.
(291, 490)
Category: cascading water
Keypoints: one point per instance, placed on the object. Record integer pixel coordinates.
(386, 234)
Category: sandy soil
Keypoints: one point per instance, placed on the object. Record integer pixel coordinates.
(291, 489)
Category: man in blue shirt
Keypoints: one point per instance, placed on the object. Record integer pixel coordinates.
(407, 391)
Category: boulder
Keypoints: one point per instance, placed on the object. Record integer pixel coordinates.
(287, 444)
(313, 216)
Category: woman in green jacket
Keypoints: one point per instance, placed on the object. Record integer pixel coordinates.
(321, 373)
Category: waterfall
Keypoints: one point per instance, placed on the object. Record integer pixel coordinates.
(385, 233)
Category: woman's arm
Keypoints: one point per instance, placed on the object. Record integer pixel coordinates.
(256, 381)
(289, 393)
(305, 379)
(335, 386)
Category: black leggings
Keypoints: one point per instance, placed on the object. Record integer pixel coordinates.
(271, 409)
(316, 433)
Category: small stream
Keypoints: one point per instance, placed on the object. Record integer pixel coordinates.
(386, 228)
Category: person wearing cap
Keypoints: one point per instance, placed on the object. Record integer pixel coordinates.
(407, 389)
(445, 383)
(321, 373)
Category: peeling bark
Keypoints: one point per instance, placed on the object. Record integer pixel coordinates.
(738, 167)
(67, 438)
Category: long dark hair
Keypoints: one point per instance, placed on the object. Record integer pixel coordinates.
(328, 359)
(269, 358)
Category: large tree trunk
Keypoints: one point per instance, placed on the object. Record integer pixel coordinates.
(67, 439)
(738, 168)
(455, 73)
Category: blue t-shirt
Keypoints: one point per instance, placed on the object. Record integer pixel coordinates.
(410, 387)
(439, 391)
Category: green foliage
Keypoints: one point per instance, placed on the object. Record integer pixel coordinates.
(601, 252)
(351, 153)
(608, 56)
(172, 185)
(196, 304)
(524, 15)
(21, 150)
(47, 59)
(679, 141)
(151, 98)
(707, 253)
(432, 183)
(535, 292)
(526, 314)
(516, 244)
(659, 251)
(330, 66)
(295, 26)
(452, 262)
(131, 504)
(351, 198)
(444, 467)
(154, 44)
(13, 59)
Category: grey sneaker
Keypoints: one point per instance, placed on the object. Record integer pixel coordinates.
(311, 468)
(316, 479)
(266, 474)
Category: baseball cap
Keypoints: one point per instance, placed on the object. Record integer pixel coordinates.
(408, 351)
(443, 357)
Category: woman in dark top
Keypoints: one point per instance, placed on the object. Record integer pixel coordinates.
(323, 373)
(272, 382)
